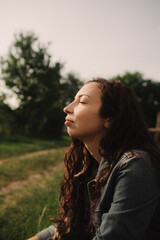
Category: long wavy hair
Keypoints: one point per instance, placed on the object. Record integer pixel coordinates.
(127, 131)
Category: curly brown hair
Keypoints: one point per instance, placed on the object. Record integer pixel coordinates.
(128, 131)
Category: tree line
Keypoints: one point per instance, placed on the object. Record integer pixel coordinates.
(42, 91)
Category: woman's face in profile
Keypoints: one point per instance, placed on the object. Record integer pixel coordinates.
(83, 120)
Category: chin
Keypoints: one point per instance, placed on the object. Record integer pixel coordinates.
(71, 134)
(74, 135)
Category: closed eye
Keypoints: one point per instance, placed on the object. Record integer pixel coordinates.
(83, 102)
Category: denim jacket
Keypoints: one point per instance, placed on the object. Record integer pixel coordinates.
(129, 206)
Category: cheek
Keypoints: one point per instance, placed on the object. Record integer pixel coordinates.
(89, 119)
(80, 114)
(83, 117)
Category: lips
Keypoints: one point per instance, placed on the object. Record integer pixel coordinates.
(68, 121)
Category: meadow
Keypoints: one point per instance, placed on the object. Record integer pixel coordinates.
(31, 172)
(30, 175)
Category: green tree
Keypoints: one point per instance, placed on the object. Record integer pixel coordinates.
(28, 71)
(7, 120)
(69, 87)
(148, 93)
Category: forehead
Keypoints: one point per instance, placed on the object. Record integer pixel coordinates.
(91, 89)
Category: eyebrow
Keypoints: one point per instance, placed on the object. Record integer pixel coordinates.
(82, 96)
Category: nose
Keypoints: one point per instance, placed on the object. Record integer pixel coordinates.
(68, 109)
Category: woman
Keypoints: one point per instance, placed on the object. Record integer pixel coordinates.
(111, 185)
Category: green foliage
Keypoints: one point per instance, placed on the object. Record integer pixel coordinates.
(148, 93)
(7, 120)
(28, 71)
(69, 87)
(39, 87)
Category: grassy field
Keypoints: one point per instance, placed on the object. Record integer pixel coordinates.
(16, 145)
(29, 187)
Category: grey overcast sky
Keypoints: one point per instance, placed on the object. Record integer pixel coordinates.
(92, 37)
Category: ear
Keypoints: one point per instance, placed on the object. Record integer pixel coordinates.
(107, 122)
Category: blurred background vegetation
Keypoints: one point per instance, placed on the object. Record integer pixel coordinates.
(40, 88)
(42, 91)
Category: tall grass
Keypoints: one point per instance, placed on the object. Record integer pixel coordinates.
(31, 209)
(27, 209)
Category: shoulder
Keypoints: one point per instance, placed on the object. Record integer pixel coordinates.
(137, 165)
(134, 166)
(135, 157)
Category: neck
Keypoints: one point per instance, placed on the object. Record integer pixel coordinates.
(93, 147)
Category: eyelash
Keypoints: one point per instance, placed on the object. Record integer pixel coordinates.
(83, 102)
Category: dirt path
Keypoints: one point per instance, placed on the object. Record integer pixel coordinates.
(32, 178)
(30, 155)
(16, 190)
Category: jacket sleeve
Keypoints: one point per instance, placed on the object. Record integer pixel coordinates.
(135, 198)
(47, 233)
